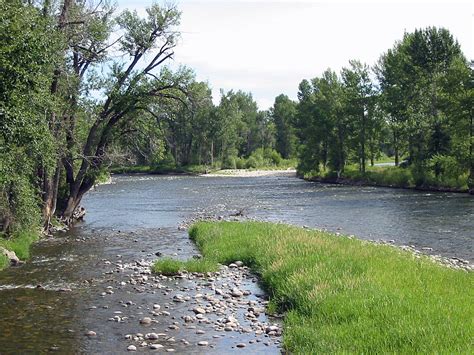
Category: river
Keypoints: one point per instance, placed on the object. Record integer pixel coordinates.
(137, 216)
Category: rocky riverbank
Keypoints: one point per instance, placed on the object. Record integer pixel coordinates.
(196, 310)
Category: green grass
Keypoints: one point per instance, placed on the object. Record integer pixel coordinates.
(19, 243)
(3, 262)
(168, 266)
(344, 295)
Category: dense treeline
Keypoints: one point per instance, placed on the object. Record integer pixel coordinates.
(84, 88)
(416, 103)
(69, 89)
(233, 134)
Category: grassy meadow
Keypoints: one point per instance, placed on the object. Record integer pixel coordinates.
(344, 295)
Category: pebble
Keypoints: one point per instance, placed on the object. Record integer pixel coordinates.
(241, 345)
(90, 333)
(203, 343)
(199, 310)
(151, 336)
(132, 348)
(236, 292)
(145, 320)
(155, 346)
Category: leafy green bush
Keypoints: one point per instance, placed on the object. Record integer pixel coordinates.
(251, 163)
(230, 162)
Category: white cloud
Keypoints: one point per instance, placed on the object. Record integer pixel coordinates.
(268, 47)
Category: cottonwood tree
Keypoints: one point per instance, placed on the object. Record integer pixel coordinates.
(283, 113)
(131, 83)
(359, 96)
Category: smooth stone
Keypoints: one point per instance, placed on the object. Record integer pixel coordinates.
(199, 310)
(241, 345)
(90, 333)
(145, 320)
(132, 348)
(151, 336)
(203, 343)
(156, 346)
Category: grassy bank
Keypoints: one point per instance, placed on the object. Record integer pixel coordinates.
(392, 176)
(20, 243)
(346, 295)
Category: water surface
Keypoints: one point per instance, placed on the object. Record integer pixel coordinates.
(137, 216)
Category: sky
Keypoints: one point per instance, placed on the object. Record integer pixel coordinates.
(267, 47)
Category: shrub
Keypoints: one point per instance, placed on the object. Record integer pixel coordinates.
(251, 163)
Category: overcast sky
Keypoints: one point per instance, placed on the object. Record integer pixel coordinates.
(268, 47)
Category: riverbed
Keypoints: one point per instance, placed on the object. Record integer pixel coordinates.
(64, 291)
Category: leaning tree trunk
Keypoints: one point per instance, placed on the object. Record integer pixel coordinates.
(50, 194)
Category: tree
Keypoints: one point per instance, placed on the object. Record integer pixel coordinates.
(283, 113)
(359, 96)
(27, 56)
(130, 87)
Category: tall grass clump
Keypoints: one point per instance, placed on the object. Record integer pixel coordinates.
(20, 243)
(169, 267)
(345, 295)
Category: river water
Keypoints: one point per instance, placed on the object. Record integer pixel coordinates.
(136, 216)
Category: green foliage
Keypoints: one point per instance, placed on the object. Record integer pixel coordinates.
(20, 243)
(344, 295)
(283, 113)
(422, 110)
(252, 163)
(3, 262)
(27, 48)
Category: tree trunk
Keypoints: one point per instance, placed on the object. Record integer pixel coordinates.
(362, 144)
(395, 147)
(50, 189)
(212, 152)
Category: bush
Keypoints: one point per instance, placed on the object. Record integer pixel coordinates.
(240, 163)
(276, 157)
(251, 163)
(230, 162)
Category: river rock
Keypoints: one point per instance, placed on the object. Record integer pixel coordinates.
(271, 328)
(14, 261)
(236, 292)
(203, 343)
(155, 346)
(145, 320)
(151, 336)
(132, 348)
(199, 310)
(90, 333)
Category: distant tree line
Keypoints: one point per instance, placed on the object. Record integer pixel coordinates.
(416, 103)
